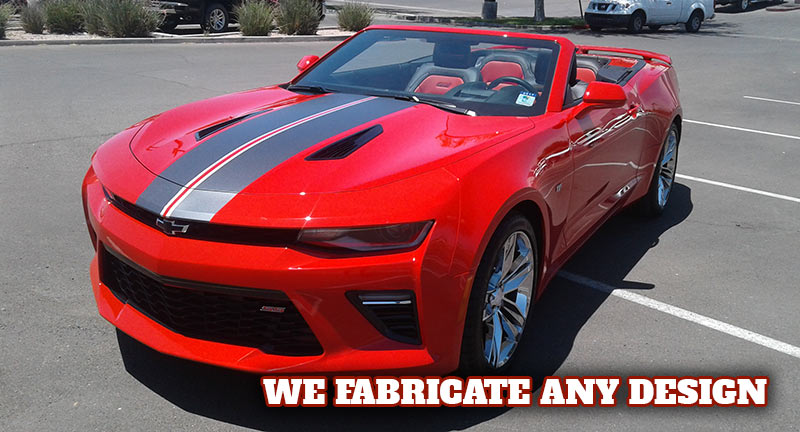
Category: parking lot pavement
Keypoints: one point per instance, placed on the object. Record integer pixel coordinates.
(725, 254)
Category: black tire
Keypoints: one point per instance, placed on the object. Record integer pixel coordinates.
(654, 27)
(742, 5)
(636, 23)
(473, 361)
(695, 21)
(216, 19)
(595, 28)
(650, 205)
(168, 24)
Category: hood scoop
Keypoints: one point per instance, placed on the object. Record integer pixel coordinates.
(346, 146)
(222, 125)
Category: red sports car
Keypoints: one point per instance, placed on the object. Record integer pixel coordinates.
(398, 207)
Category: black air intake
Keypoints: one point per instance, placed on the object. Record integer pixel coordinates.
(222, 125)
(345, 146)
(263, 319)
(392, 313)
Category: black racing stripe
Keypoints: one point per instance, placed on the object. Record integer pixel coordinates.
(184, 169)
(257, 161)
(260, 159)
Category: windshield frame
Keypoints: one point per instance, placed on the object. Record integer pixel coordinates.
(478, 107)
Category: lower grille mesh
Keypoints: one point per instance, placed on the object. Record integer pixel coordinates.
(211, 314)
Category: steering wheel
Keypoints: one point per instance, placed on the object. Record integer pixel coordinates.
(514, 80)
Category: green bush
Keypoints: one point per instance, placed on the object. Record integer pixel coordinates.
(6, 10)
(256, 17)
(128, 18)
(63, 16)
(93, 16)
(298, 17)
(355, 16)
(32, 19)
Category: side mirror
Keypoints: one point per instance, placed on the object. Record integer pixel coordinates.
(306, 62)
(603, 93)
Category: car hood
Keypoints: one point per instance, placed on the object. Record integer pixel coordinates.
(272, 141)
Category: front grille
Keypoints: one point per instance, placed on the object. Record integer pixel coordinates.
(262, 319)
(392, 313)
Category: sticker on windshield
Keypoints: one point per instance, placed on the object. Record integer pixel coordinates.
(526, 99)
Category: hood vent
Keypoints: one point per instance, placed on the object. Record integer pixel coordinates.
(345, 146)
(222, 125)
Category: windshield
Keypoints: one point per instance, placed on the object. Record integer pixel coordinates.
(468, 73)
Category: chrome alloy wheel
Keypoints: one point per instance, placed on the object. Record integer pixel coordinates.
(508, 298)
(216, 19)
(666, 175)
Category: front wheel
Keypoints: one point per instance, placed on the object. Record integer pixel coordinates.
(695, 20)
(742, 5)
(217, 18)
(654, 203)
(501, 298)
(637, 22)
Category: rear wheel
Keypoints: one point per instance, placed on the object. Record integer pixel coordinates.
(654, 203)
(742, 5)
(501, 298)
(217, 18)
(637, 22)
(695, 20)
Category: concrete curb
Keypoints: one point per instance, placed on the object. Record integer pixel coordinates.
(459, 22)
(174, 40)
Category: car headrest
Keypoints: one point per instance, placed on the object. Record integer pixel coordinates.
(452, 55)
(542, 66)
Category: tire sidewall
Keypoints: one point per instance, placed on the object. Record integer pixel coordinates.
(473, 361)
(694, 19)
(654, 208)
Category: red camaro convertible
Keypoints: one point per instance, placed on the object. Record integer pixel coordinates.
(398, 207)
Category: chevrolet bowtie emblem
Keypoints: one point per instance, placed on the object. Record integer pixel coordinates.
(170, 227)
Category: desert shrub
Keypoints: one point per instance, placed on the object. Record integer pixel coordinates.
(355, 16)
(93, 16)
(298, 17)
(33, 19)
(256, 17)
(6, 10)
(63, 16)
(128, 18)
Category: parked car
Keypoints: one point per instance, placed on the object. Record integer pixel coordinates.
(740, 5)
(635, 14)
(398, 207)
(214, 15)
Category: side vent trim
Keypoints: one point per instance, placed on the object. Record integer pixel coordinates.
(346, 146)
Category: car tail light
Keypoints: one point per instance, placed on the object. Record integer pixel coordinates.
(367, 239)
(392, 313)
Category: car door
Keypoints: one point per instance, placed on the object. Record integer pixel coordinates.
(606, 147)
(664, 11)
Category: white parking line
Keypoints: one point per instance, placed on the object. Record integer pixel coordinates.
(743, 129)
(739, 188)
(675, 311)
(771, 100)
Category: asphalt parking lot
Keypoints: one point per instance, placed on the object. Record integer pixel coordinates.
(725, 254)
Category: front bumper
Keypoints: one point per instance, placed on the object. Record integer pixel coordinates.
(316, 286)
(606, 19)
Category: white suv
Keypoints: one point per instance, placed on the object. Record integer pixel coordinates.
(635, 14)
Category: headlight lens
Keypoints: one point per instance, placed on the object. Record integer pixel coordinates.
(367, 239)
